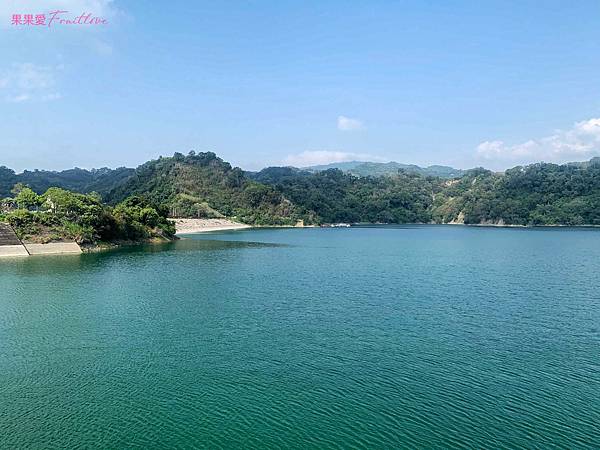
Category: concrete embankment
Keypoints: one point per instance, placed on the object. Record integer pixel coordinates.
(55, 248)
(11, 246)
(12, 250)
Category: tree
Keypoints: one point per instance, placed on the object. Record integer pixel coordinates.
(17, 188)
(27, 199)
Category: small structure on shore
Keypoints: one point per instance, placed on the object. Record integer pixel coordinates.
(336, 225)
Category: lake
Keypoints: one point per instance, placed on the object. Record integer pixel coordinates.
(374, 337)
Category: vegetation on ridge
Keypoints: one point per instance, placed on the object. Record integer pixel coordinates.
(377, 169)
(335, 196)
(59, 215)
(539, 194)
(204, 186)
(76, 180)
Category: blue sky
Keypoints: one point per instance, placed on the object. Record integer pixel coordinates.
(262, 83)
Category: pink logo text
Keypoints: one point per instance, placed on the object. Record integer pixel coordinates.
(56, 18)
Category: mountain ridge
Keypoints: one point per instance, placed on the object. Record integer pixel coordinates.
(203, 185)
(370, 168)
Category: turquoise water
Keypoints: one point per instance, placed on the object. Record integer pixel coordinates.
(387, 337)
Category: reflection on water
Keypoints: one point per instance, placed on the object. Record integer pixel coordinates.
(57, 264)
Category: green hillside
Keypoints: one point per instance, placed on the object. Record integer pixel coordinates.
(59, 215)
(79, 180)
(539, 194)
(203, 185)
(336, 196)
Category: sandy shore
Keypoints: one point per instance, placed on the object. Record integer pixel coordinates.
(187, 226)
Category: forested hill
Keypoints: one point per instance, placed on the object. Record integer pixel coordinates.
(335, 196)
(539, 194)
(79, 180)
(203, 185)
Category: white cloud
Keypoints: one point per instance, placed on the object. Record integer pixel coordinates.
(314, 158)
(581, 141)
(50, 97)
(27, 81)
(19, 98)
(28, 76)
(99, 8)
(348, 124)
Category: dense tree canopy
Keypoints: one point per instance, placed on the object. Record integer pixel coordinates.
(335, 196)
(77, 180)
(539, 194)
(59, 214)
(204, 186)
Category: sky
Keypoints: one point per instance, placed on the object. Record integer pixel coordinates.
(459, 83)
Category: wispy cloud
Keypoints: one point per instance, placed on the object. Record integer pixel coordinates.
(27, 81)
(313, 158)
(18, 98)
(101, 47)
(348, 124)
(50, 97)
(581, 141)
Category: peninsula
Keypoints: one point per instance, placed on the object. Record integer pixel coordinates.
(60, 221)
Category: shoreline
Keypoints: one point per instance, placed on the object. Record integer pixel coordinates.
(194, 226)
(497, 225)
(479, 225)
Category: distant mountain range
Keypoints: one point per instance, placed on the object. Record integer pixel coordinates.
(376, 169)
(78, 180)
(104, 180)
(203, 185)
